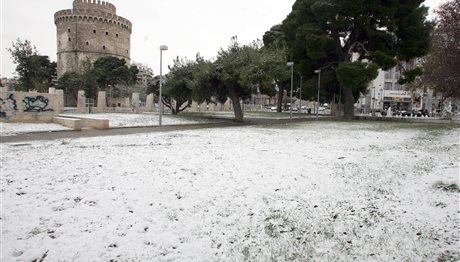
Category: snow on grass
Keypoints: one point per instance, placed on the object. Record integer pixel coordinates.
(313, 191)
(115, 120)
(144, 119)
(11, 129)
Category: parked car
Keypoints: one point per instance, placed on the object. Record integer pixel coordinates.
(417, 113)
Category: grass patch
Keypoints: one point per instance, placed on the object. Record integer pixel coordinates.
(448, 187)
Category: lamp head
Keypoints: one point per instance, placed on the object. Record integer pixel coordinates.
(163, 47)
(318, 71)
(290, 63)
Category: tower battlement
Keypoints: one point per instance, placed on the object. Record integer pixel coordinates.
(95, 5)
(87, 15)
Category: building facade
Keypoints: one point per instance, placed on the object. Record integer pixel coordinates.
(385, 92)
(89, 31)
(144, 75)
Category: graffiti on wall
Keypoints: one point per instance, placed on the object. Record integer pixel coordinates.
(36, 104)
(8, 105)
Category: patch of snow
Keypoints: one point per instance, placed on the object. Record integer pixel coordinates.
(115, 120)
(145, 119)
(11, 129)
(305, 192)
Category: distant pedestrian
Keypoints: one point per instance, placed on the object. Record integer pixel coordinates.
(389, 111)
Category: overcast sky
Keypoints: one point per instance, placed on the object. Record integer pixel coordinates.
(187, 27)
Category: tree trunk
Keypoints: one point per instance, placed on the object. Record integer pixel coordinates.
(189, 103)
(348, 100)
(236, 105)
(279, 103)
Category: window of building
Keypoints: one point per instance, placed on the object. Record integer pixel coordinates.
(397, 74)
(388, 74)
(398, 86)
(388, 86)
(116, 35)
(87, 43)
(103, 47)
(94, 31)
(106, 33)
(68, 30)
(70, 39)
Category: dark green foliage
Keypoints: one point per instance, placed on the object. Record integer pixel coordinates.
(111, 71)
(179, 85)
(356, 75)
(385, 60)
(36, 72)
(410, 75)
(236, 71)
(323, 33)
(72, 82)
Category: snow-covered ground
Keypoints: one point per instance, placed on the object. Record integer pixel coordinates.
(11, 129)
(318, 191)
(115, 120)
(146, 119)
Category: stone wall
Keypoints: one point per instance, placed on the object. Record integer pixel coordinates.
(28, 107)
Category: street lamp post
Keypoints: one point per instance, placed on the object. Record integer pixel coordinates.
(300, 106)
(319, 82)
(162, 48)
(373, 102)
(291, 64)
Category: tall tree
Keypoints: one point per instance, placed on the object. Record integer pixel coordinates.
(36, 72)
(329, 33)
(179, 85)
(442, 65)
(235, 71)
(275, 58)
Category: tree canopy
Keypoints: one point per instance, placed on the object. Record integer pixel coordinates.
(36, 72)
(235, 71)
(110, 70)
(72, 82)
(325, 34)
(179, 85)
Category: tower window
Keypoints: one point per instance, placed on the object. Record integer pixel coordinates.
(106, 33)
(68, 30)
(116, 35)
(103, 47)
(70, 39)
(94, 31)
(87, 43)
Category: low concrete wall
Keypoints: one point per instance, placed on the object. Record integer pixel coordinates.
(28, 107)
(73, 123)
(87, 122)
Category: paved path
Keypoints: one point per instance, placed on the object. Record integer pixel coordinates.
(52, 135)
